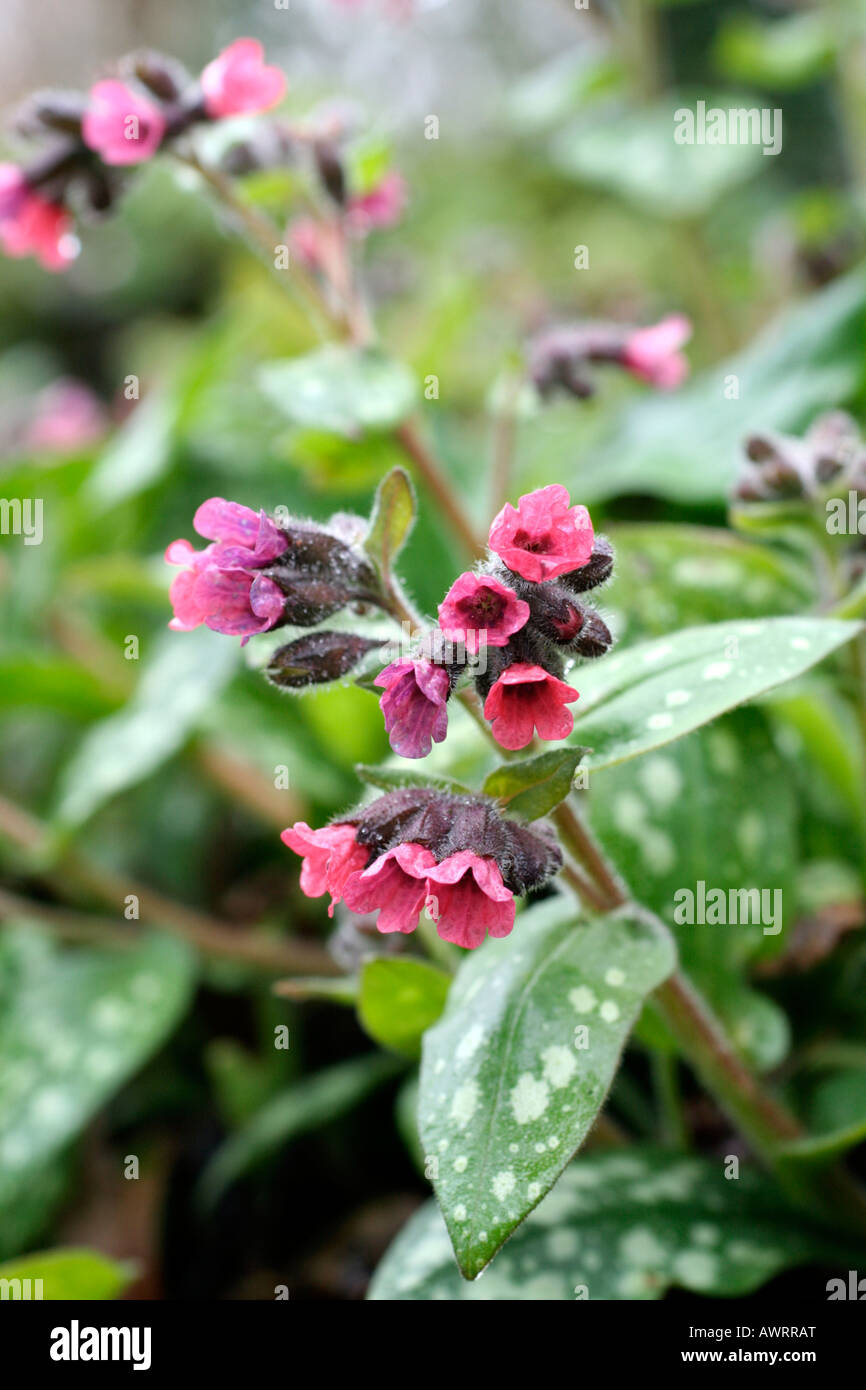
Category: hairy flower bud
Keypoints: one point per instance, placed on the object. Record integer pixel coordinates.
(316, 658)
(596, 571)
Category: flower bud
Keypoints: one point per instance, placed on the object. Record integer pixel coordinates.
(329, 167)
(163, 76)
(316, 658)
(50, 110)
(596, 571)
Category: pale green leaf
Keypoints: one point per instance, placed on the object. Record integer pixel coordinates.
(65, 1275)
(344, 390)
(399, 999)
(622, 1225)
(514, 1073)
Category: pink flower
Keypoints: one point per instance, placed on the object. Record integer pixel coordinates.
(395, 885)
(67, 416)
(525, 698)
(543, 536)
(414, 705)
(467, 899)
(123, 126)
(653, 353)
(477, 607)
(382, 206)
(238, 81)
(330, 856)
(30, 225)
(220, 586)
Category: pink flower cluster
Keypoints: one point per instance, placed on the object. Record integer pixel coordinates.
(222, 586)
(464, 893)
(315, 242)
(124, 124)
(419, 849)
(514, 611)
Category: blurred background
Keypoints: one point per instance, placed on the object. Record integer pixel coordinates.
(141, 780)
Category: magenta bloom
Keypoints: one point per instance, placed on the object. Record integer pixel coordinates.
(30, 225)
(381, 207)
(395, 885)
(414, 705)
(478, 608)
(123, 126)
(220, 586)
(239, 82)
(67, 416)
(653, 353)
(467, 899)
(330, 856)
(543, 536)
(526, 698)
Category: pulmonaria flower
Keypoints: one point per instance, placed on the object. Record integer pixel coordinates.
(238, 81)
(121, 125)
(330, 856)
(526, 698)
(543, 536)
(414, 705)
(468, 900)
(395, 885)
(653, 354)
(219, 585)
(478, 607)
(31, 225)
(67, 416)
(456, 856)
(380, 207)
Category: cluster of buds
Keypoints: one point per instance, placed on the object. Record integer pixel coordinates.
(510, 625)
(560, 358)
(124, 120)
(88, 140)
(829, 456)
(406, 853)
(259, 573)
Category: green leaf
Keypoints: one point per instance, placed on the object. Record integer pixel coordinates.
(28, 1207)
(623, 1225)
(670, 576)
(305, 1106)
(515, 1072)
(74, 1026)
(644, 697)
(533, 788)
(392, 519)
(390, 778)
(782, 54)
(138, 455)
(179, 682)
(68, 1274)
(660, 820)
(688, 445)
(399, 999)
(343, 390)
(634, 154)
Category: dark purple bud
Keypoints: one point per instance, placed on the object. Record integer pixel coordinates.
(446, 823)
(329, 167)
(163, 76)
(597, 569)
(594, 637)
(50, 110)
(320, 574)
(316, 658)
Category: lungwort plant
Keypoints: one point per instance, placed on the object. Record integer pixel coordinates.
(510, 890)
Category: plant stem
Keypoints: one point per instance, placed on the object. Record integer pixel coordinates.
(275, 955)
(439, 485)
